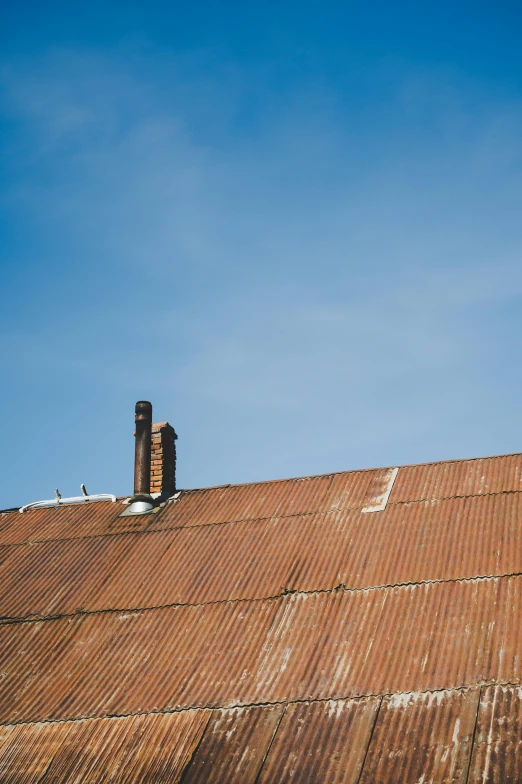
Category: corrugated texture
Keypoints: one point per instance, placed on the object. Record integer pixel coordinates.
(433, 540)
(64, 522)
(497, 751)
(324, 742)
(153, 748)
(299, 647)
(288, 539)
(58, 577)
(234, 746)
(194, 507)
(268, 499)
(422, 738)
(189, 565)
(462, 477)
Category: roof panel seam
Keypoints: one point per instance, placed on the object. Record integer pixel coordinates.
(11, 621)
(264, 703)
(250, 519)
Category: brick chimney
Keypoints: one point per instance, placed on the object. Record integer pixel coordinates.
(163, 463)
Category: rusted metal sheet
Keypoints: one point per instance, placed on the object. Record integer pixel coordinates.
(190, 565)
(405, 543)
(258, 559)
(458, 478)
(234, 745)
(63, 522)
(297, 647)
(433, 540)
(323, 742)
(422, 738)
(58, 577)
(134, 749)
(268, 499)
(497, 750)
(197, 507)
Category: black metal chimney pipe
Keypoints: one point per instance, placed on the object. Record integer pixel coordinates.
(143, 448)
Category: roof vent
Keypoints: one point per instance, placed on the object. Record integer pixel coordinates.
(142, 501)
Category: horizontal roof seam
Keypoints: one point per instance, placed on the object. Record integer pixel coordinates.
(382, 695)
(253, 519)
(11, 621)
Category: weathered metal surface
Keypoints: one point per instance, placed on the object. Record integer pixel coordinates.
(497, 750)
(189, 565)
(433, 540)
(58, 577)
(134, 749)
(268, 499)
(234, 746)
(322, 742)
(247, 543)
(422, 738)
(298, 647)
(63, 522)
(143, 444)
(258, 559)
(461, 477)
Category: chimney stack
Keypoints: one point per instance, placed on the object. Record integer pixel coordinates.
(154, 461)
(163, 464)
(142, 452)
(141, 501)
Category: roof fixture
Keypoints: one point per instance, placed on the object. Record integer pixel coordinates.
(59, 501)
(142, 501)
(379, 491)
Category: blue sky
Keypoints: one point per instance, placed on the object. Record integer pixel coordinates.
(294, 227)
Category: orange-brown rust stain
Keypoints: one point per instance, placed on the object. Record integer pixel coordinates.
(234, 746)
(422, 738)
(298, 647)
(134, 749)
(458, 478)
(497, 750)
(61, 522)
(321, 743)
(262, 500)
(258, 559)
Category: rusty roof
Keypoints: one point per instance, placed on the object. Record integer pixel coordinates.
(355, 627)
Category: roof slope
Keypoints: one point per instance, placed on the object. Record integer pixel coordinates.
(270, 632)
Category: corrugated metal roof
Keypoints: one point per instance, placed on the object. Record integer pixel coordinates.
(298, 647)
(264, 599)
(422, 737)
(497, 750)
(135, 749)
(407, 543)
(458, 478)
(234, 746)
(321, 741)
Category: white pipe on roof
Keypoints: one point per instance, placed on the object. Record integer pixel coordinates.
(59, 501)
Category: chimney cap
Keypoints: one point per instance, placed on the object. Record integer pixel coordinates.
(143, 407)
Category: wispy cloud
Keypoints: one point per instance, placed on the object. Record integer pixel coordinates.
(321, 288)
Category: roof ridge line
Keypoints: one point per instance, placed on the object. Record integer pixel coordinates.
(249, 519)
